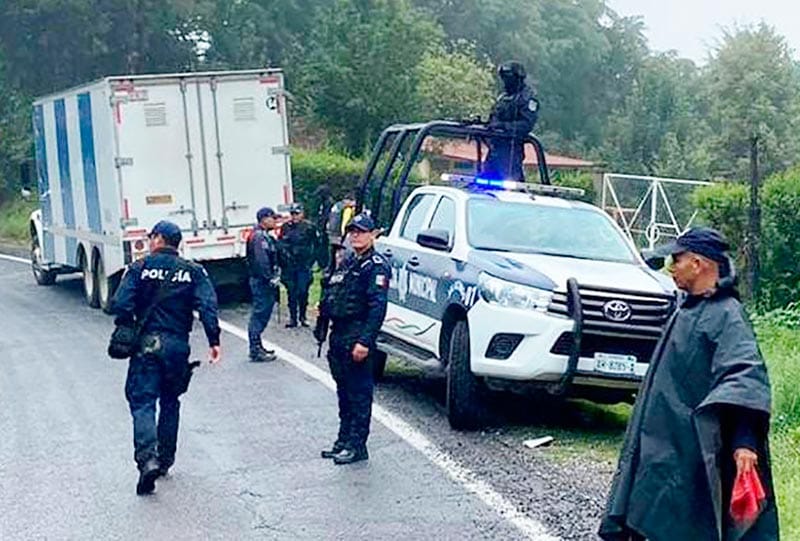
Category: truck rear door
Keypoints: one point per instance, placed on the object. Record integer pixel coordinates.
(203, 150)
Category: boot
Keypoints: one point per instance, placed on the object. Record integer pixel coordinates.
(349, 456)
(304, 322)
(333, 451)
(147, 477)
(262, 356)
(292, 324)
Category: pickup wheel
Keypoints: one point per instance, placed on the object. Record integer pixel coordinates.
(465, 392)
(378, 365)
(43, 277)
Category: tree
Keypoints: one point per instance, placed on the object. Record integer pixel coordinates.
(454, 84)
(753, 84)
(359, 71)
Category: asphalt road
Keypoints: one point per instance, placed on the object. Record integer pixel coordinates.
(247, 464)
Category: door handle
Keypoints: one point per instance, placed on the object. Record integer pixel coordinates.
(413, 262)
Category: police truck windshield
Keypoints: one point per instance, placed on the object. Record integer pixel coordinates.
(531, 228)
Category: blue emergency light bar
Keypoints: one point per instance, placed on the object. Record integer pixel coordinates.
(467, 181)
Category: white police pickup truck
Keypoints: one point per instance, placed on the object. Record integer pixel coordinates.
(508, 285)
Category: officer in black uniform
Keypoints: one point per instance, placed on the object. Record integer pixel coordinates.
(299, 248)
(355, 303)
(160, 370)
(515, 112)
(262, 260)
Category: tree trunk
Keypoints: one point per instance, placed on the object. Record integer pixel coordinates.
(754, 229)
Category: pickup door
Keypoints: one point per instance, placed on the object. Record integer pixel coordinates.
(417, 298)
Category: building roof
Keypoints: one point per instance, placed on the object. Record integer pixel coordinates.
(465, 151)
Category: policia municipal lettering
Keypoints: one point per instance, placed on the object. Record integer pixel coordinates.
(153, 309)
(354, 302)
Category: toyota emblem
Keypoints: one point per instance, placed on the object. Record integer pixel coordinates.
(617, 311)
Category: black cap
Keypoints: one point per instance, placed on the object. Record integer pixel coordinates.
(362, 222)
(169, 231)
(699, 240)
(296, 207)
(264, 212)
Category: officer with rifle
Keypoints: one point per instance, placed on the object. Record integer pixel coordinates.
(515, 114)
(354, 304)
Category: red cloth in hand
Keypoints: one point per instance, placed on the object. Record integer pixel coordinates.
(748, 498)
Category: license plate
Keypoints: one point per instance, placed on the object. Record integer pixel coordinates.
(611, 363)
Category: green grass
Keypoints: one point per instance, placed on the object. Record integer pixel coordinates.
(779, 338)
(14, 220)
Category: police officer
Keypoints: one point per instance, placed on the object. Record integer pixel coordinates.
(355, 302)
(262, 261)
(515, 112)
(299, 248)
(159, 293)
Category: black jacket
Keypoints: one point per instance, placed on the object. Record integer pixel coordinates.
(262, 255)
(188, 290)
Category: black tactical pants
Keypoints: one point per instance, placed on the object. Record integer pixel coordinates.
(161, 377)
(354, 386)
(298, 282)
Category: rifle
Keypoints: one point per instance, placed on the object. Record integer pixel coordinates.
(321, 332)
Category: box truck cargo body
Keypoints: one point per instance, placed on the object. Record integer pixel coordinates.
(204, 150)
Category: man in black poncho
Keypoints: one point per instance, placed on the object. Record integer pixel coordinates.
(701, 417)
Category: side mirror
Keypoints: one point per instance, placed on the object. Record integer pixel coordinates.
(655, 262)
(435, 239)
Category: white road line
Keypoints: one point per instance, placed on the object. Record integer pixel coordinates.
(528, 526)
(15, 259)
(531, 528)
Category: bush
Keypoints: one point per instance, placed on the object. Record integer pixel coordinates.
(726, 207)
(576, 179)
(311, 168)
(14, 217)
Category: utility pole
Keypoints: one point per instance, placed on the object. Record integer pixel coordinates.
(754, 229)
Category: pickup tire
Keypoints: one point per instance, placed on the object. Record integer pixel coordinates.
(378, 365)
(43, 277)
(465, 392)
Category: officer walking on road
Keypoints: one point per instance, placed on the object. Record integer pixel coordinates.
(355, 303)
(262, 260)
(515, 112)
(299, 248)
(158, 295)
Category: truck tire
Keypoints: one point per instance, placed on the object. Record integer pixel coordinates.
(89, 282)
(465, 392)
(43, 277)
(106, 286)
(378, 365)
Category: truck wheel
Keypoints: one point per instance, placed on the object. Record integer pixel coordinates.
(89, 283)
(378, 365)
(465, 392)
(106, 286)
(43, 277)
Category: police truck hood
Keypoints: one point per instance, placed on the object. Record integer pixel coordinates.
(541, 270)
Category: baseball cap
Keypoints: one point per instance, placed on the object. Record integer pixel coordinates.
(699, 240)
(170, 231)
(362, 222)
(264, 212)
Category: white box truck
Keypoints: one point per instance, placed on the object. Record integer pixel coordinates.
(113, 157)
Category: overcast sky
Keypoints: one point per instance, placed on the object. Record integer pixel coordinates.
(692, 26)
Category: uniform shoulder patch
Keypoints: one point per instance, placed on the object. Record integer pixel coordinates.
(378, 260)
(382, 281)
